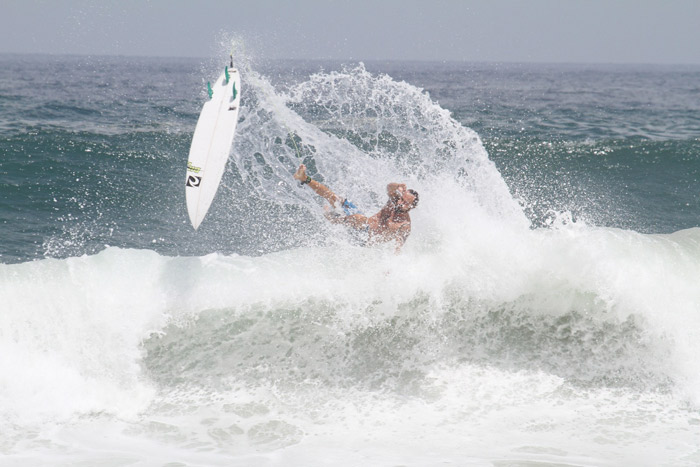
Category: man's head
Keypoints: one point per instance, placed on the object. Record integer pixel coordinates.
(414, 203)
(401, 197)
(408, 200)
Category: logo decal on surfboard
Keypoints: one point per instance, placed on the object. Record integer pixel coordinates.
(193, 181)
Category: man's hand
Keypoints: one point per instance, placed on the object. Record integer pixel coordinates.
(300, 174)
(395, 190)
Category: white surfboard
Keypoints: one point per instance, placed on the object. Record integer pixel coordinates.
(211, 144)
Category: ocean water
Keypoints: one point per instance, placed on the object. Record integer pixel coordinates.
(545, 310)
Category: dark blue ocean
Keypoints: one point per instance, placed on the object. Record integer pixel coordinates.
(545, 310)
(92, 147)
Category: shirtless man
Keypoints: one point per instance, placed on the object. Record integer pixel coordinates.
(392, 222)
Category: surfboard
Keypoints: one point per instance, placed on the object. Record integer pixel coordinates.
(211, 143)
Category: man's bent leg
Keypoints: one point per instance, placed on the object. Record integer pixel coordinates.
(356, 221)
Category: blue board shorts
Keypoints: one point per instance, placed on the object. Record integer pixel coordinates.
(362, 235)
(349, 208)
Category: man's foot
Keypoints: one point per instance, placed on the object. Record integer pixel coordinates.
(300, 174)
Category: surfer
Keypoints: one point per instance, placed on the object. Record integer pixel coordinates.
(391, 223)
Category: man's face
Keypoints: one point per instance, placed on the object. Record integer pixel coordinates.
(406, 200)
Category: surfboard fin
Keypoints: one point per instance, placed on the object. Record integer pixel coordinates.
(209, 90)
(226, 74)
(235, 91)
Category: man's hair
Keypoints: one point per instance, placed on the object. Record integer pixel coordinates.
(415, 201)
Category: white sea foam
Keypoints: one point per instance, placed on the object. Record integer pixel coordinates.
(471, 338)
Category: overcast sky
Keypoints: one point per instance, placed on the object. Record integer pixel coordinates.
(591, 31)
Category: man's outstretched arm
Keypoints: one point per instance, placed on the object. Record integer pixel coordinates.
(320, 189)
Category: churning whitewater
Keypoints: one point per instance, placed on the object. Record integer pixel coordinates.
(269, 337)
